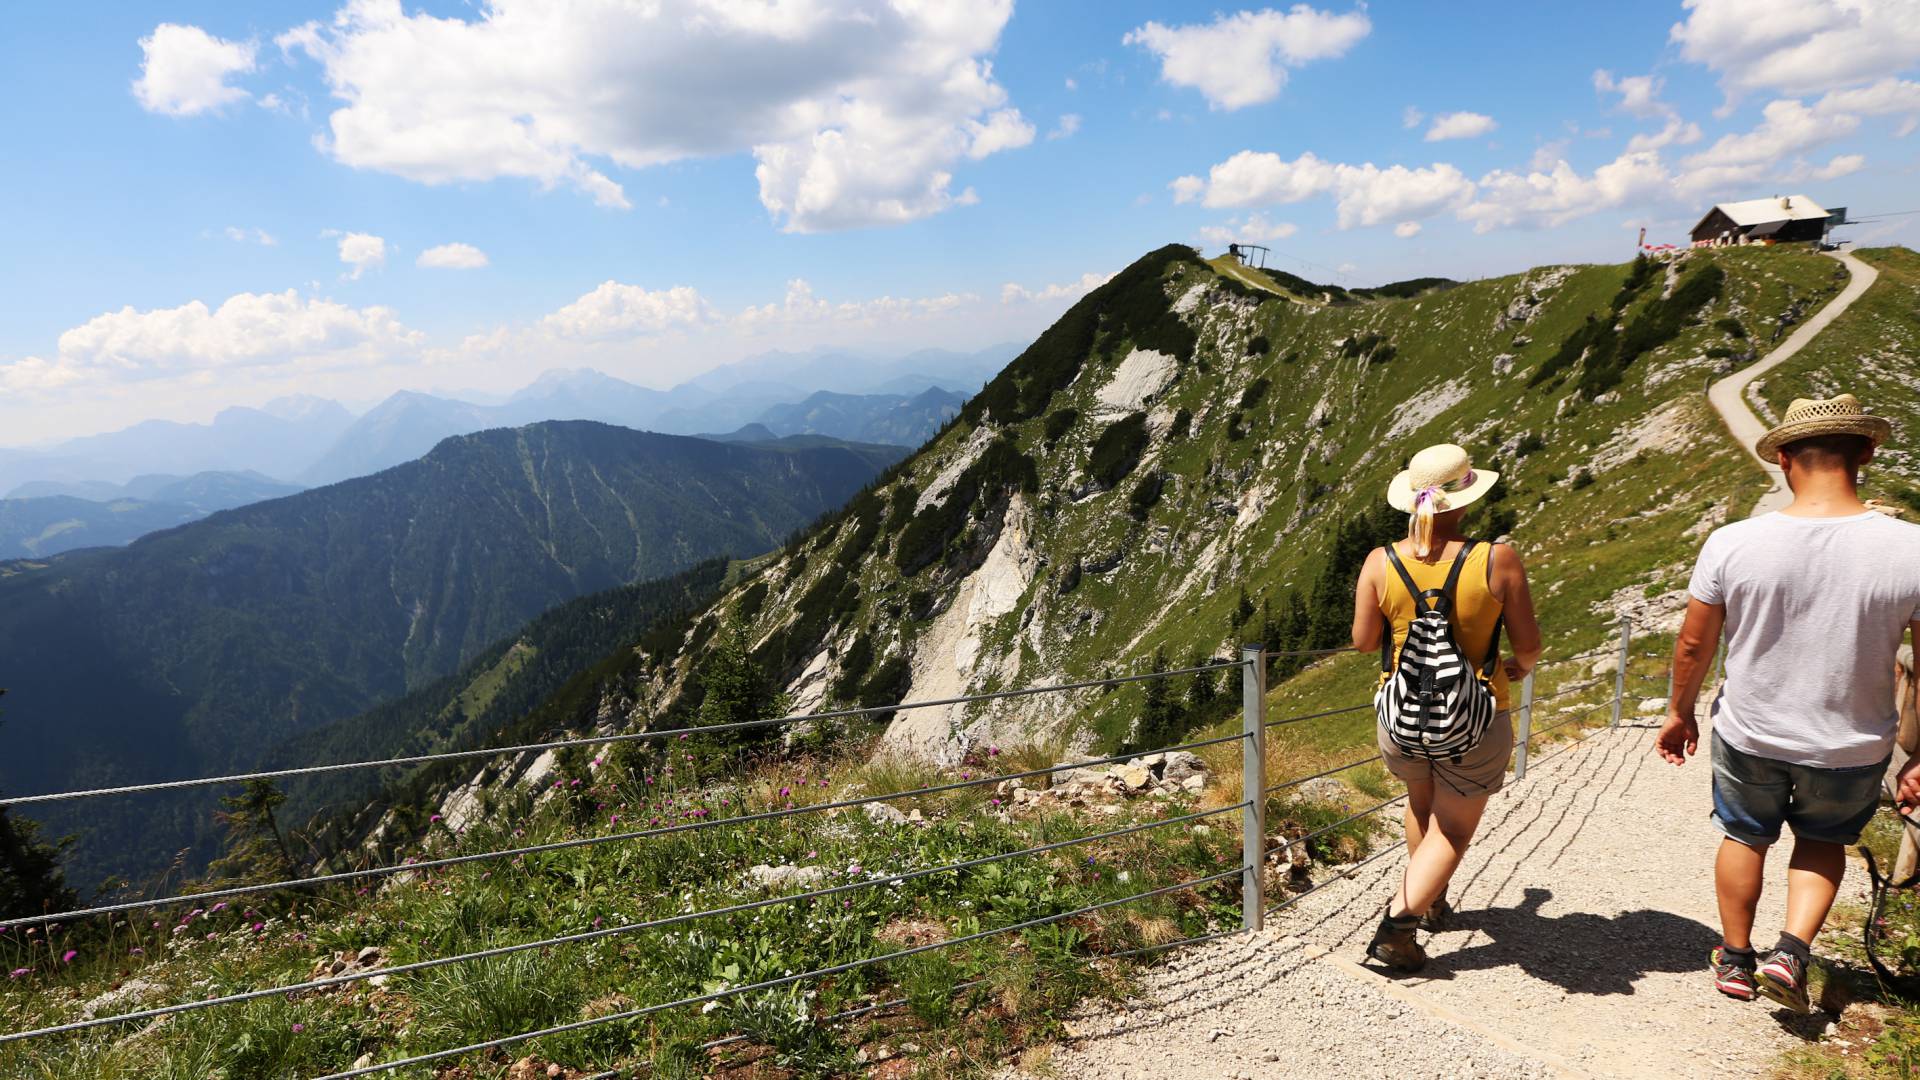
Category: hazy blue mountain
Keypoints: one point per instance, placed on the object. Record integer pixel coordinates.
(858, 373)
(874, 418)
(36, 528)
(397, 430)
(280, 439)
(205, 492)
(198, 648)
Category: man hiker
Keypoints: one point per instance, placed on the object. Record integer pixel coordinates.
(1814, 600)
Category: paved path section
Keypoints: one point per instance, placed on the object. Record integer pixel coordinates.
(1728, 396)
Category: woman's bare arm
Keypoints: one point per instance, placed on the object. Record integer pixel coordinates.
(1516, 599)
(1368, 623)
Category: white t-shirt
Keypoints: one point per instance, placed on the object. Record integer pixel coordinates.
(1815, 612)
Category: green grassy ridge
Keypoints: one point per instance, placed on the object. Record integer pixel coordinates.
(1870, 351)
(1318, 449)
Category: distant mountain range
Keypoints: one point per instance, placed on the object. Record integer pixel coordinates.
(198, 648)
(47, 517)
(312, 442)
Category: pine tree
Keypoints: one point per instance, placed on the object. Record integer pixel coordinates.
(733, 690)
(1205, 687)
(1296, 623)
(255, 848)
(1162, 719)
(1242, 611)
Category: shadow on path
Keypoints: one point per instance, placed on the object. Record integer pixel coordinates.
(1579, 952)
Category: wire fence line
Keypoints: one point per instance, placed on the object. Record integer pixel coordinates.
(606, 838)
(1251, 870)
(774, 984)
(604, 932)
(603, 740)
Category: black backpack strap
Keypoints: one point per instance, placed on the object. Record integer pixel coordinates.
(1420, 605)
(1453, 573)
(1493, 650)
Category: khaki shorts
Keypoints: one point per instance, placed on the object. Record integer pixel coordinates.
(1481, 771)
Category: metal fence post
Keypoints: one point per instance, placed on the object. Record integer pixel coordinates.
(1620, 677)
(1253, 785)
(1526, 729)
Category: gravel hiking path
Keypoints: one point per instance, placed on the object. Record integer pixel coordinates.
(1728, 395)
(1586, 911)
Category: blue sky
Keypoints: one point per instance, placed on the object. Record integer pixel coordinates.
(214, 204)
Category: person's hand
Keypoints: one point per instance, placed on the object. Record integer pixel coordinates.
(1906, 789)
(1515, 672)
(1679, 739)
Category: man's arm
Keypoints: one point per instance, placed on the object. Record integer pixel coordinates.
(1368, 623)
(1692, 657)
(1907, 786)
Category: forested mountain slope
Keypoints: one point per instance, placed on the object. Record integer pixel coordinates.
(197, 649)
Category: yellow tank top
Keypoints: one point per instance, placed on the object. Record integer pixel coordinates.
(1475, 609)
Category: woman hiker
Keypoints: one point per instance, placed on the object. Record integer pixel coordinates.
(1444, 727)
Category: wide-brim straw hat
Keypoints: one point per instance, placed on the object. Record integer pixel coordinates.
(1448, 472)
(1807, 418)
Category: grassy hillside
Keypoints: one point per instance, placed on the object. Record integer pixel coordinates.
(1178, 452)
(1869, 352)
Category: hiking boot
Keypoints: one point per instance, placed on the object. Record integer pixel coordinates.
(1783, 978)
(1732, 976)
(1395, 945)
(1438, 917)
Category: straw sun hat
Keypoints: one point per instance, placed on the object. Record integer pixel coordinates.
(1832, 416)
(1447, 473)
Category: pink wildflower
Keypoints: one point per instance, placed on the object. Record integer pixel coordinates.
(18, 973)
(298, 1028)
(434, 818)
(68, 958)
(136, 951)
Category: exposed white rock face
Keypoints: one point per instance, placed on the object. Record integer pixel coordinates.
(1191, 298)
(1667, 430)
(946, 661)
(944, 480)
(1426, 407)
(1139, 377)
(809, 689)
(462, 807)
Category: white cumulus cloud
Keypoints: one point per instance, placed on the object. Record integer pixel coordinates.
(454, 256)
(615, 309)
(250, 236)
(1364, 194)
(1015, 293)
(1460, 125)
(1799, 46)
(1543, 198)
(1787, 128)
(1252, 229)
(1068, 125)
(856, 111)
(1242, 59)
(184, 70)
(247, 330)
(802, 307)
(1407, 229)
(1639, 94)
(362, 252)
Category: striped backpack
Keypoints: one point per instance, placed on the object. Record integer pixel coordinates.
(1433, 705)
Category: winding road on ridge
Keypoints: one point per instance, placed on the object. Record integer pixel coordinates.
(1728, 396)
(1586, 910)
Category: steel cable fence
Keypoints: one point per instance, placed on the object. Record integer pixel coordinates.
(1250, 871)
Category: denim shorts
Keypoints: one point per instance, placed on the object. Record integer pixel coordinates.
(1752, 796)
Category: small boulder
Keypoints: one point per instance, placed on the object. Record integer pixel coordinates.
(1653, 706)
(1181, 766)
(778, 877)
(1503, 364)
(883, 814)
(1134, 777)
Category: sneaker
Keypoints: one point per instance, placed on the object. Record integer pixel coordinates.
(1437, 917)
(1733, 978)
(1397, 947)
(1783, 978)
